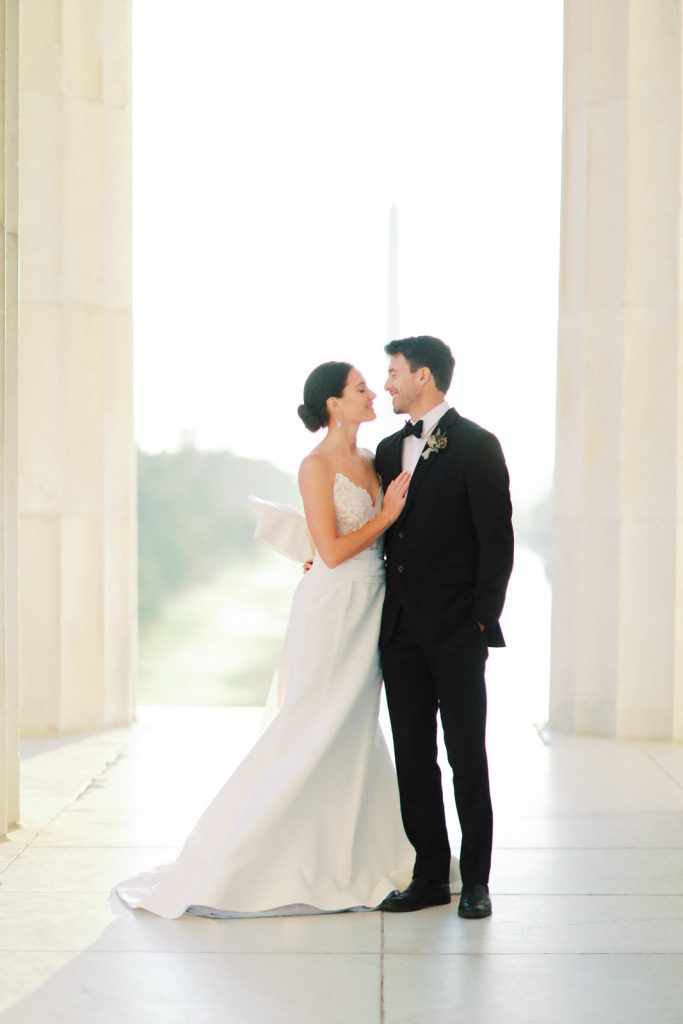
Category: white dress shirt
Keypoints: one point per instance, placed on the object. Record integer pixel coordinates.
(413, 446)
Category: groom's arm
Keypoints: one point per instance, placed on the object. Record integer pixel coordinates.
(488, 485)
(381, 465)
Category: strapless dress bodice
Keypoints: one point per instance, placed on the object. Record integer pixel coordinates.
(353, 508)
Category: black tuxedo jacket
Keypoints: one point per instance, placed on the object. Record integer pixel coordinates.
(449, 555)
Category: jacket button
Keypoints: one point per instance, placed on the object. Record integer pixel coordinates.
(400, 568)
(401, 535)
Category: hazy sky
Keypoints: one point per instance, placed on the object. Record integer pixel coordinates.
(270, 141)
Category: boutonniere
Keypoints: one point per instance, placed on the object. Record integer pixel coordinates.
(436, 442)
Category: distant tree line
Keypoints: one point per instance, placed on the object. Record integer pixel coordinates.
(533, 529)
(193, 518)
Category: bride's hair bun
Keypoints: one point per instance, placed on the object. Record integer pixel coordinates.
(327, 381)
(309, 418)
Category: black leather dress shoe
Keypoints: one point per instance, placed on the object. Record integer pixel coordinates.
(418, 895)
(475, 901)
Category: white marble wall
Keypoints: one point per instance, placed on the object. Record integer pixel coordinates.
(77, 561)
(9, 674)
(617, 664)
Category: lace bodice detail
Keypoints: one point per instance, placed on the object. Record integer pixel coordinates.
(353, 506)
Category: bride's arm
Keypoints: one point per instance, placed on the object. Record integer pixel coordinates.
(316, 482)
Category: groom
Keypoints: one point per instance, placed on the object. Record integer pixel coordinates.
(449, 558)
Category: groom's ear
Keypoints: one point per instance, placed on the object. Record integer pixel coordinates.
(424, 375)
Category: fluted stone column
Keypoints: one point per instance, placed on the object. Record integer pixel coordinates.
(77, 561)
(9, 675)
(617, 661)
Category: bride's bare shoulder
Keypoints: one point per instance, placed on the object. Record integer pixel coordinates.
(315, 468)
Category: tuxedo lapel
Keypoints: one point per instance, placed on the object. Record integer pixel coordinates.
(424, 465)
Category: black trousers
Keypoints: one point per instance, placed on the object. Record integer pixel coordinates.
(421, 680)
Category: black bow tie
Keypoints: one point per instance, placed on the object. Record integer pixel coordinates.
(412, 429)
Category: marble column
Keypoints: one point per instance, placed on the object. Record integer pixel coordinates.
(9, 674)
(77, 540)
(617, 655)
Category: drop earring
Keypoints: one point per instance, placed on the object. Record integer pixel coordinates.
(339, 422)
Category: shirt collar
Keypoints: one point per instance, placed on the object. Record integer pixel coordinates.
(431, 418)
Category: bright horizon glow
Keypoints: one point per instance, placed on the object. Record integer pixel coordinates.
(270, 142)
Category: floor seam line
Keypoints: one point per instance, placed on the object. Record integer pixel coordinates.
(663, 770)
(381, 970)
(123, 747)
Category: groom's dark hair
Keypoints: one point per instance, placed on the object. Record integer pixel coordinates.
(426, 351)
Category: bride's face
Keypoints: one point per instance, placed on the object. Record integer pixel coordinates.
(356, 402)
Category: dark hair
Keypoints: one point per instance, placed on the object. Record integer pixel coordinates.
(426, 351)
(327, 381)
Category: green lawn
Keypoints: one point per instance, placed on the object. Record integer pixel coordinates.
(219, 643)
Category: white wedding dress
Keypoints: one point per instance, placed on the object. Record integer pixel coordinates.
(309, 821)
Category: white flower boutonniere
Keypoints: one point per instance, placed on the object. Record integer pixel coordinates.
(436, 442)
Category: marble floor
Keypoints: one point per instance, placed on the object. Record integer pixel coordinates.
(587, 888)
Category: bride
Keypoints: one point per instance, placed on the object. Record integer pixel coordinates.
(310, 821)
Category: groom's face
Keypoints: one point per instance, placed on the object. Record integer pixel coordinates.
(402, 384)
